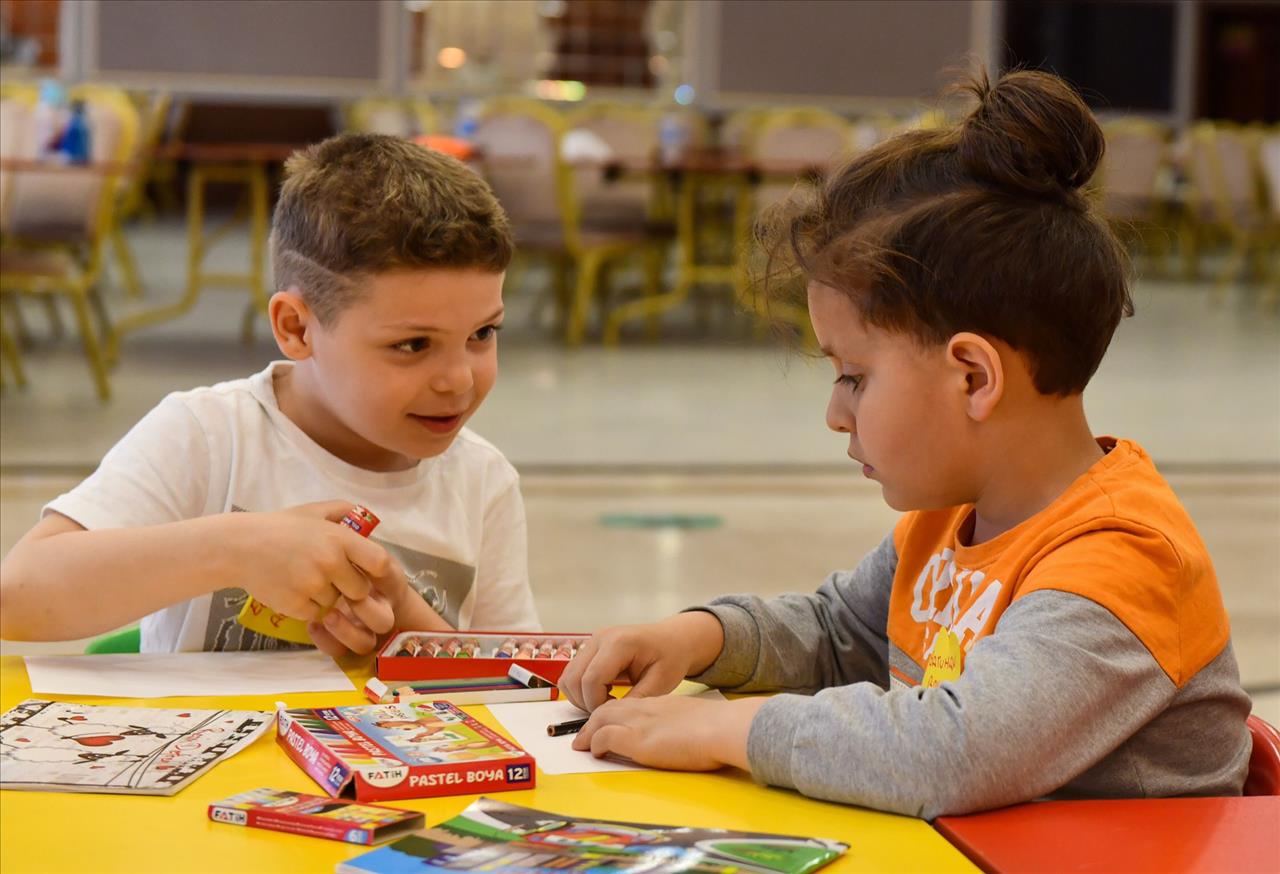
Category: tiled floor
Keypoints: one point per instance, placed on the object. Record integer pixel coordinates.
(727, 427)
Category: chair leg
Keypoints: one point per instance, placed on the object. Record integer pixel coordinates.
(128, 266)
(246, 323)
(653, 262)
(9, 306)
(92, 350)
(588, 274)
(55, 318)
(106, 330)
(9, 349)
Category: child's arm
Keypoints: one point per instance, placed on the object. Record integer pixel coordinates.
(1060, 686)
(62, 582)
(797, 642)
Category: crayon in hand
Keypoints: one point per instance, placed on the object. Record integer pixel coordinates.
(258, 617)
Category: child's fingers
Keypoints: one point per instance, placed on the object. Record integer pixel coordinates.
(354, 636)
(348, 580)
(333, 511)
(324, 641)
(362, 552)
(571, 677)
(374, 612)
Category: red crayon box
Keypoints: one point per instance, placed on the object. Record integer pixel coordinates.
(433, 655)
(316, 816)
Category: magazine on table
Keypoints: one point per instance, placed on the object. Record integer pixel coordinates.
(493, 835)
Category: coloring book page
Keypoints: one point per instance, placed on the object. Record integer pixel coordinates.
(132, 750)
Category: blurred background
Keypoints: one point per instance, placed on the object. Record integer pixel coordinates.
(671, 447)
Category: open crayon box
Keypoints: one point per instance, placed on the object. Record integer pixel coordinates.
(433, 655)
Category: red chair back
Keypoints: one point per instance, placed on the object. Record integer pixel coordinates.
(1264, 761)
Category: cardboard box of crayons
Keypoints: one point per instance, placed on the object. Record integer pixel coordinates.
(315, 816)
(411, 749)
(432, 655)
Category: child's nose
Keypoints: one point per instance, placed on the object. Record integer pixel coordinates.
(453, 379)
(839, 417)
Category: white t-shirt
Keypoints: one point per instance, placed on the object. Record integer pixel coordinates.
(455, 522)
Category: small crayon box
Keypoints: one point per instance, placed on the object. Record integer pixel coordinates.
(315, 816)
(435, 655)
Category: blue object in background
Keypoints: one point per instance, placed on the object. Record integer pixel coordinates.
(77, 140)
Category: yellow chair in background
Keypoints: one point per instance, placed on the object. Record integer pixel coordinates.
(1133, 183)
(1225, 195)
(57, 222)
(381, 115)
(153, 113)
(521, 140)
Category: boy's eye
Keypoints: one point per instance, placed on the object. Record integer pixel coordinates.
(851, 381)
(417, 344)
(488, 332)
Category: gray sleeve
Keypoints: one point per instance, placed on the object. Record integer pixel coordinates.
(1059, 685)
(808, 642)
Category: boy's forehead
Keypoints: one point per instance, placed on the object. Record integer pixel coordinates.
(439, 294)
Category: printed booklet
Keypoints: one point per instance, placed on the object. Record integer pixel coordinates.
(493, 836)
(412, 749)
(66, 747)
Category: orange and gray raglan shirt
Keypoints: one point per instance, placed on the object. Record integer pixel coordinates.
(1083, 653)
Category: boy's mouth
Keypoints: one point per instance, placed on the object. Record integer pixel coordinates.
(438, 424)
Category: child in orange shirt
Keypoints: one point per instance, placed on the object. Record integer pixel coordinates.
(1044, 619)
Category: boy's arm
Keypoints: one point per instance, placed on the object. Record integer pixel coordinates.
(835, 636)
(1061, 684)
(63, 582)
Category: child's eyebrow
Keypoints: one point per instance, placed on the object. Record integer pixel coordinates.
(430, 329)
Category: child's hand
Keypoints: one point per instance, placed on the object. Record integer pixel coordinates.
(672, 731)
(298, 562)
(353, 626)
(653, 658)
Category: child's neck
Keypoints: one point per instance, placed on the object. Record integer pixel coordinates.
(1034, 461)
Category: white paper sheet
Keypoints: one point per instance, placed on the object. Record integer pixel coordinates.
(527, 722)
(160, 675)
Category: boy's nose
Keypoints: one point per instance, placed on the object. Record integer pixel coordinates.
(454, 379)
(839, 418)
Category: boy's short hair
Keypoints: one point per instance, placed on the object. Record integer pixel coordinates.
(357, 205)
(979, 227)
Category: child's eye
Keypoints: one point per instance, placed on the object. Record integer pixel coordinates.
(417, 344)
(488, 332)
(851, 381)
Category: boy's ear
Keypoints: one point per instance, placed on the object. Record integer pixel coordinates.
(291, 322)
(978, 363)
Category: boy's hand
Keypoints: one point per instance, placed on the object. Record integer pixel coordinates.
(298, 562)
(353, 627)
(652, 658)
(672, 731)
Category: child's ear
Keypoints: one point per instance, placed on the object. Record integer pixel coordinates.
(291, 320)
(978, 363)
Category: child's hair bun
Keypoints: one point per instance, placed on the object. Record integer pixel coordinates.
(1030, 135)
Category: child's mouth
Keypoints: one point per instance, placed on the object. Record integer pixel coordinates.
(438, 424)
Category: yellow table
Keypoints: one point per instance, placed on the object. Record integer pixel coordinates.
(47, 831)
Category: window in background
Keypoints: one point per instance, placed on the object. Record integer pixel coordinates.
(1121, 55)
(29, 33)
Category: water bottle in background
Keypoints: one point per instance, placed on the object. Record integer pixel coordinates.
(49, 119)
(672, 138)
(77, 142)
(467, 120)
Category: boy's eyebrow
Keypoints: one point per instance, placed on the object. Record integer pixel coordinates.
(429, 329)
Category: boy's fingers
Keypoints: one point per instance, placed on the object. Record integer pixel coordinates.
(331, 510)
(374, 612)
(324, 641)
(571, 678)
(355, 638)
(362, 552)
(599, 675)
(350, 582)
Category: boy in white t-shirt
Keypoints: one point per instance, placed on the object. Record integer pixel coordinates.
(389, 261)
